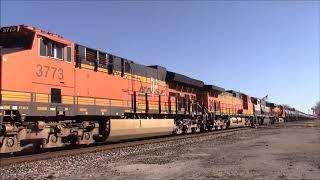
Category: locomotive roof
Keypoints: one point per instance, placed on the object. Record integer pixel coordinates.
(232, 91)
(213, 87)
(32, 28)
(237, 92)
(179, 78)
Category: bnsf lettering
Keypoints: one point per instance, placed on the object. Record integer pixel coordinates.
(9, 29)
(49, 72)
(149, 90)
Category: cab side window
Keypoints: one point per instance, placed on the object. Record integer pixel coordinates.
(68, 55)
(49, 49)
(43, 48)
(58, 51)
(52, 49)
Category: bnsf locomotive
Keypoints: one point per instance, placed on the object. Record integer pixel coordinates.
(55, 92)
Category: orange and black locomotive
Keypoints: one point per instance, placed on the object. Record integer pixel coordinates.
(54, 92)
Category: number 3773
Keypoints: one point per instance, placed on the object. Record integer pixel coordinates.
(49, 72)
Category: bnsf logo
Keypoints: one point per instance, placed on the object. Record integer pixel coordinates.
(49, 72)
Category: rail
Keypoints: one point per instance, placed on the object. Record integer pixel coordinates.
(108, 147)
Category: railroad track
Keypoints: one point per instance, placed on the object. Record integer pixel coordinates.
(107, 147)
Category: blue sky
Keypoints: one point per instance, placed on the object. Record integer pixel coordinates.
(251, 46)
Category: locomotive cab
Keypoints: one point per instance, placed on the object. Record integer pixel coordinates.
(37, 78)
(14, 39)
(15, 43)
(37, 67)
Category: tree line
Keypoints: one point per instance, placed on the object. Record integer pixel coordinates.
(316, 109)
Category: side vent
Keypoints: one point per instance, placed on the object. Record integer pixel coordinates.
(102, 59)
(92, 58)
(110, 64)
(122, 67)
(80, 55)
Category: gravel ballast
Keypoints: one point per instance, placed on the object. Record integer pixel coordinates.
(284, 151)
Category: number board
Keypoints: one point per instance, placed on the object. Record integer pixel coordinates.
(10, 29)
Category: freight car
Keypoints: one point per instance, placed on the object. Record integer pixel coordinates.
(55, 92)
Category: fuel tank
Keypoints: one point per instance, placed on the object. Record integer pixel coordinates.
(238, 122)
(126, 129)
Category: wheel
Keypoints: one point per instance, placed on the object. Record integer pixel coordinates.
(202, 128)
(227, 124)
(260, 121)
(184, 130)
(272, 120)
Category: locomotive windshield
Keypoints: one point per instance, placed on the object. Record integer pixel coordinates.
(15, 41)
(15, 38)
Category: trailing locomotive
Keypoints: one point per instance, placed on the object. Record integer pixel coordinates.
(55, 92)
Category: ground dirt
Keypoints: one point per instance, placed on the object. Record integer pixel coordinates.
(282, 151)
(288, 151)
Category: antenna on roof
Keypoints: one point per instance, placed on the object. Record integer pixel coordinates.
(265, 98)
